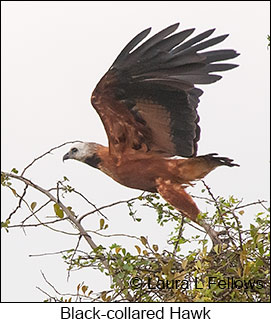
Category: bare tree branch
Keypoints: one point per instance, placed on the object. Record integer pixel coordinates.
(63, 207)
(108, 206)
(68, 213)
(48, 152)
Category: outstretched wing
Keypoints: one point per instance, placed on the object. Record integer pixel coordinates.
(147, 100)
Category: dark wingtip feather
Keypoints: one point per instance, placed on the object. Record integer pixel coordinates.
(223, 161)
(173, 27)
(219, 55)
(193, 41)
(126, 50)
(218, 67)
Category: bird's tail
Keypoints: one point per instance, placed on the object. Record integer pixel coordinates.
(196, 168)
(218, 161)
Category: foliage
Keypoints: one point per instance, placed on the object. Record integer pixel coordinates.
(235, 271)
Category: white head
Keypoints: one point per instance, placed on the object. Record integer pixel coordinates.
(85, 152)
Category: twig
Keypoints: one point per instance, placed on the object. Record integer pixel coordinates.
(57, 191)
(52, 286)
(106, 206)
(193, 226)
(48, 152)
(218, 210)
(36, 224)
(69, 214)
(32, 213)
(19, 204)
(80, 194)
(73, 254)
(56, 253)
(179, 236)
(253, 203)
(261, 202)
(29, 165)
(201, 198)
(50, 297)
(114, 235)
(77, 295)
(238, 229)
(63, 207)
(93, 205)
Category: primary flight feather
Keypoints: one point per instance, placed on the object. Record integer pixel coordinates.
(148, 102)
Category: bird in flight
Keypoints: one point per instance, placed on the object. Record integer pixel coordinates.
(148, 102)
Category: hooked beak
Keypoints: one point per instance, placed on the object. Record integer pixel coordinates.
(66, 156)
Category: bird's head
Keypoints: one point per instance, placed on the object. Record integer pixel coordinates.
(85, 152)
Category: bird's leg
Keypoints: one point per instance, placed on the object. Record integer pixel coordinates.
(214, 235)
(175, 194)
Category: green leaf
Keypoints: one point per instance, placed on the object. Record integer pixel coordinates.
(5, 224)
(199, 285)
(260, 248)
(14, 170)
(58, 211)
(143, 240)
(3, 179)
(184, 263)
(145, 252)
(101, 224)
(138, 249)
(33, 205)
(216, 249)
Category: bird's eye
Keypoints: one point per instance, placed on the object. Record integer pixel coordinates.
(74, 150)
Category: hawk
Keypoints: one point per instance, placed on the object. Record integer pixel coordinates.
(148, 102)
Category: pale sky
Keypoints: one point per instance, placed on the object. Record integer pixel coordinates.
(53, 55)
